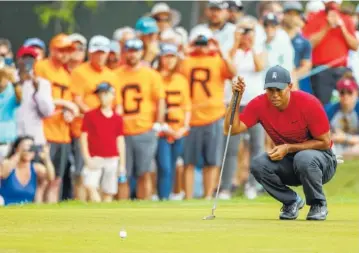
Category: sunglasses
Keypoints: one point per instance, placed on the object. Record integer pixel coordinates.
(134, 45)
(80, 48)
(345, 92)
(159, 19)
(245, 30)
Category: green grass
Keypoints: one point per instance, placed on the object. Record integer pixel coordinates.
(241, 226)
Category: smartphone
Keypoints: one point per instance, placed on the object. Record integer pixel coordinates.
(36, 148)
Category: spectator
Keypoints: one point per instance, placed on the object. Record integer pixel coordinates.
(56, 127)
(10, 98)
(170, 145)
(165, 16)
(205, 69)
(217, 15)
(103, 147)
(302, 48)
(313, 7)
(329, 29)
(83, 83)
(143, 103)
(235, 11)
(20, 176)
(344, 117)
(36, 101)
(113, 56)
(147, 30)
(279, 49)
(353, 61)
(6, 57)
(78, 56)
(278, 10)
(249, 60)
(38, 45)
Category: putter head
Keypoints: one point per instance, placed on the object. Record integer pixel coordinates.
(209, 217)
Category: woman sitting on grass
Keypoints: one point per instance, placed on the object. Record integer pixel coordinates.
(21, 178)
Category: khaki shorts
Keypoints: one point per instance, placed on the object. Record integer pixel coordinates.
(103, 174)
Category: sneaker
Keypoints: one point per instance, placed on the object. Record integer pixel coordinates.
(250, 191)
(291, 212)
(317, 212)
(155, 197)
(177, 196)
(224, 195)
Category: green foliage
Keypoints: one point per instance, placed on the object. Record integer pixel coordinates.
(63, 11)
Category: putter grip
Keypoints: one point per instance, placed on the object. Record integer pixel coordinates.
(234, 106)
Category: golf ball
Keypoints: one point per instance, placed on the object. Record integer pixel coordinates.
(123, 234)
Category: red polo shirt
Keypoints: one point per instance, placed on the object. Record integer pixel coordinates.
(303, 119)
(102, 133)
(333, 46)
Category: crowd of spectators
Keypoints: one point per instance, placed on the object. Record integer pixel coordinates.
(140, 115)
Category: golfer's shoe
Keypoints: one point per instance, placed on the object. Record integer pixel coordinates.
(291, 212)
(317, 212)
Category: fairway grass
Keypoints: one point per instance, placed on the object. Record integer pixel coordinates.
(241, 226)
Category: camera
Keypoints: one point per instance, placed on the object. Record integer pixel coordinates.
(201, 41)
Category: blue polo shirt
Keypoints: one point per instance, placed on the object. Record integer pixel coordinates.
(8, 106)
(302, 51)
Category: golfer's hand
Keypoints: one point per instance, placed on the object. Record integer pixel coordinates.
(278, 152)
(238, 85)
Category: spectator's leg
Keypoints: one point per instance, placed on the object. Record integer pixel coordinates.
(323, 85)
(79, 189)
(124, 189)
(314, 168)
(177, 150)
(178, 186)
(192, 154)
(41, 191)
(275, 176)
(164, 157)
(109, 186)
(145, 146)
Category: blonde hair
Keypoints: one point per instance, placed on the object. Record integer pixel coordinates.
(7, 73)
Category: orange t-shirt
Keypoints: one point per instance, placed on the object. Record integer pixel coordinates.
(206, 76)
(83, 82)
(140, 91)
(333, 46)
(178, 100)
(55, 127)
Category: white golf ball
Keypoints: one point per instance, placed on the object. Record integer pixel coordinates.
(123, 234)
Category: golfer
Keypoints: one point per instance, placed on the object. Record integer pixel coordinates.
(298, 125)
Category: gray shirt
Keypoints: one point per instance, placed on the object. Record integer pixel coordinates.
(34, 107)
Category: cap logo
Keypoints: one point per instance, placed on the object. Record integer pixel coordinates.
(347, 82)
(274, 75)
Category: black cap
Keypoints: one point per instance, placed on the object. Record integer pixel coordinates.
(277, 77)
(270, 18)
(217, 4)
(235, 5)
(293, 6)
(104, 87)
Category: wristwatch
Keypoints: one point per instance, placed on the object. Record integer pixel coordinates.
(122, 179)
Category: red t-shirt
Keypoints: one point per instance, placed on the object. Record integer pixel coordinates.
(333, 46)
(303, 119)
(102, 133)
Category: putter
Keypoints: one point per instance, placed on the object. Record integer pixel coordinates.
(212, 216)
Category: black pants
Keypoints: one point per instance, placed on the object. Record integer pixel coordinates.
(310, 168)
(324, 83)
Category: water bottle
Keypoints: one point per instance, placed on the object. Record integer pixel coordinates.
(335, 97)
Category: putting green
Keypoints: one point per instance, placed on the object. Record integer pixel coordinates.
(176, 227)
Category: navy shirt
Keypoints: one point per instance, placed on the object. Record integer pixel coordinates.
(302, 51)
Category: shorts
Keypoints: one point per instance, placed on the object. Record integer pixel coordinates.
(103, 176)
(59, 153)
(140, 152)
(76, 157)
(204, 144)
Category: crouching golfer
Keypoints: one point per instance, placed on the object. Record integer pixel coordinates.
(298, 125)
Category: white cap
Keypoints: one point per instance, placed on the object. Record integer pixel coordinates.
(164, 8)
(314, 6)
(118, 33)
(99, 43)
(201, 31)
(170, 34)
(76, 37)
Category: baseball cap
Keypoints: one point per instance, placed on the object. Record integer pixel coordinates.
(35, 42)
(277, 77)
(134, 44)
(104, 87)
(115, 47)
(99, 43)
(146, 25)
(270, 19)
(201, 32)
(235, 5)
(119, 33)
(217, 4)
(293, 6)
(314, 6)
(348, 84)
(76, 37)
(61, 41)
(168, 49)
(26, 51)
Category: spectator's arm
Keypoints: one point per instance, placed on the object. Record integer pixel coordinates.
(46, 170)
(350, 38)
(81, 104)
(305, 67)
(259, 61)
(158, 95)
(318, 36)
(68, 105)
(84, 146)
(353, 139)
(122, 155)
(8, 165)
(43, 99)
(161, 110)
(18, 93)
